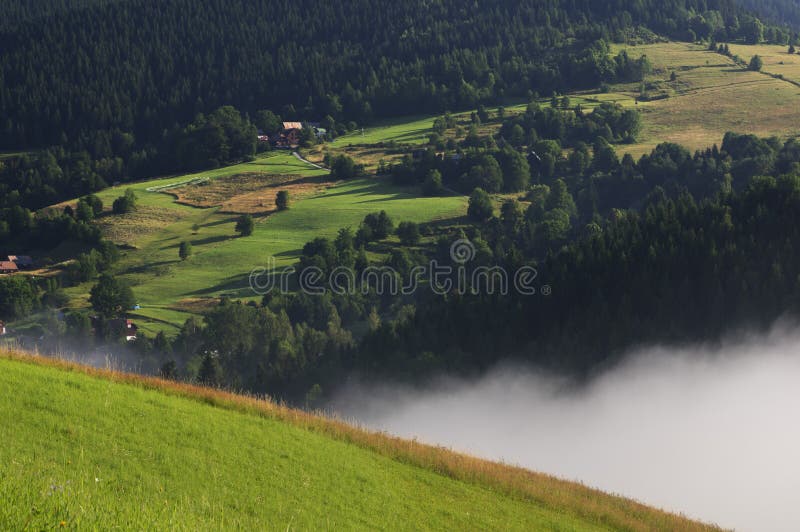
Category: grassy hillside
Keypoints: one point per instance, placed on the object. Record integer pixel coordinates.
(85, 448)
(170, 290)
(713, 95)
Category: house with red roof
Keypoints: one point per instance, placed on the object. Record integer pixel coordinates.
(7, 267)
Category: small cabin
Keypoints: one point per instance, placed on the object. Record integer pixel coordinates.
(290, 135)
(7, 267)
(3, 330)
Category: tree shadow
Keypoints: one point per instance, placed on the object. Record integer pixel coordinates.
(236, 286)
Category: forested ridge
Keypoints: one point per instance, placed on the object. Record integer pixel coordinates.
(143, 66)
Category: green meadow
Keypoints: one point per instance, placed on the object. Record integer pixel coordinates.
(415, 130)
(87, 449)
(81, 452)
(170, 290)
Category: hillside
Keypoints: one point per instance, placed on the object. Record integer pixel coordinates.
(146, 65)
(170, 290)
(711, 95)
(85, 448)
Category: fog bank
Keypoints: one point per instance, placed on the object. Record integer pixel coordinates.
(711, 432)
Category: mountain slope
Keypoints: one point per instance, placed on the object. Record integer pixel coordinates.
(89, 452)
(143, 65)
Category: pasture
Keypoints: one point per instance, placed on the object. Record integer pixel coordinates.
(713, 95)
(170, 290)
(777, 59)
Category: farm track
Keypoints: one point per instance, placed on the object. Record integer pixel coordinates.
(302, 159)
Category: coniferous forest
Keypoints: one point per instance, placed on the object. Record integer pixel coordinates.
(73, 77)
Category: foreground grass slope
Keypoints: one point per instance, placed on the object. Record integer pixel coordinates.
(92, 449)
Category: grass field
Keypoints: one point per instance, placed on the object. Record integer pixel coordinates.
(777, 59)
(90, 449)
(170, 290)
(389, 140)
(713, 95)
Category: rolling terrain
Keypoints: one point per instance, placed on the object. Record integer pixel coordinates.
(713, 95)
(170, 290)
(89, 448)
(710, 96)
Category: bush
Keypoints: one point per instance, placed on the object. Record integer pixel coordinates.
(124, 204)
(245, 225)
(756, 64)
(185, 250)
(96, 204)
(480, 206)
(282, 200)
(432, 186)
(379, 225)
(343, 167)
(84, 211)
(408, 232)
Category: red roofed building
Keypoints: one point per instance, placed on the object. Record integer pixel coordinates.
(290, 135)
(6, 266)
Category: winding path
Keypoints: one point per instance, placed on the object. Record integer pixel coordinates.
(300, 158)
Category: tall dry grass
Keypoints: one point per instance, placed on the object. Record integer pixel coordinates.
(591, 505)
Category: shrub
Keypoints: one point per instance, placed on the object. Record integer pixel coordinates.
(282, 200)
(432, 186)
(185, 250)
(124, 204)
(408, 232)
(379, 225)
(245, 225)
(480, 205)
(343, 167)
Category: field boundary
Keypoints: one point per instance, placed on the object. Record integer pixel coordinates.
(195, 181)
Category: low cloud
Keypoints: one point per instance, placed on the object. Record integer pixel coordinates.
(709, 431)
